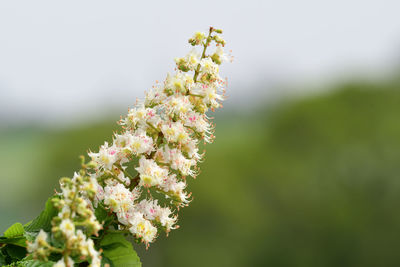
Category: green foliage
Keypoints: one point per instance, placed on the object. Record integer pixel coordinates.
(15, 252)
(15, 230)
(43, 221)
(103, 215)
(119, 251)
(3, 257)
(14, 244)
(17, 235)
(31, 263)
(11, 253)
(14, 235)
(19, 241)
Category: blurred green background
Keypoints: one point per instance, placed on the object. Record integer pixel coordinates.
(308, 181)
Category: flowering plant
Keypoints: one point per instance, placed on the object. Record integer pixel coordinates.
(134, 186)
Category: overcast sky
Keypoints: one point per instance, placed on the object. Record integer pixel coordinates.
(60, 59)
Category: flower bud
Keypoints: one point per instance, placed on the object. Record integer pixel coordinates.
(197, 38)
(219, 40)
(216, 58)
(92, 165)
(182, 64)
(65, 181)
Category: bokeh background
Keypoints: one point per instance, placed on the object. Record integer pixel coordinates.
(305, 169)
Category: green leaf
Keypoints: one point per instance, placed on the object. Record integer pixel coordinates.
(105, 261)
(19, 241)
(35, 263)
(15, 230)
(119, 251)
(2, 258)
(43, 221)
(14, 235)
(16, 252)
(101, 213)
(31, 263)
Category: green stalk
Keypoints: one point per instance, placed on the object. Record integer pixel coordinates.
(203, 55)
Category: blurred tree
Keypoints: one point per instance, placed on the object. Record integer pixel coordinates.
(315, 182)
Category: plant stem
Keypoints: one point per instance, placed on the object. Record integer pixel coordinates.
(119, 180)
(205, 45)
(134, 180)
(202, 96)
(118, 231)
(125, 172)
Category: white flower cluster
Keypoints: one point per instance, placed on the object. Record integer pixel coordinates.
(163, 134)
